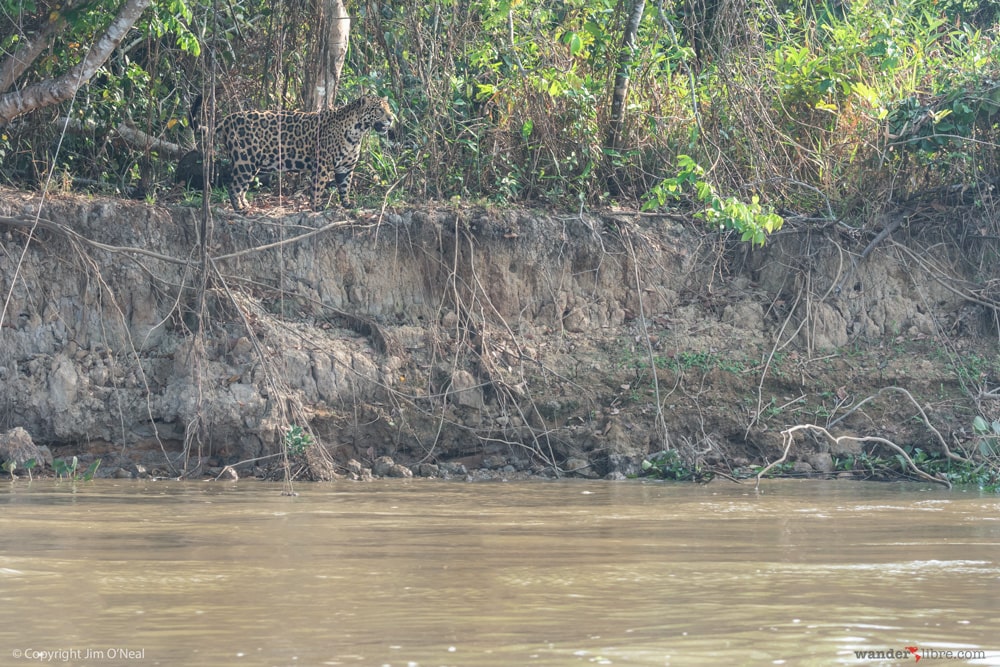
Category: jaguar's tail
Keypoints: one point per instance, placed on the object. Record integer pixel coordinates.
(194, 114)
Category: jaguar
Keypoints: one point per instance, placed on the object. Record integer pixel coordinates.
(326, 143)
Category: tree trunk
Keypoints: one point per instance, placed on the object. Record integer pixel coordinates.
(53, 91)
(27, 52)
(620, 93)
(330, 37)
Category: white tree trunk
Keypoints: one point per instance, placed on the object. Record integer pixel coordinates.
(330, 38)
(620, 94)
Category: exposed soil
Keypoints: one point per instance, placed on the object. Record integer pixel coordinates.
(467, 340)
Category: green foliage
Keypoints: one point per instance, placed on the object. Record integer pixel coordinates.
(173, 18)
(818, 106)
(297, 440)
(815, 80)
(980, 13)
(982, 473)
(70, 469)
(219, 197)
(867, 465)
(751, 221)
(942, 124)
(668, 464)
(684, 360)
(972, 369)
(140, 85)
(10, 466)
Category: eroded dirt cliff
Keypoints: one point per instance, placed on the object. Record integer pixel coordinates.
(516, 341)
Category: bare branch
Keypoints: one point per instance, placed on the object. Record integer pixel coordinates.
(42, 223)
(132, 136)
(923, 415)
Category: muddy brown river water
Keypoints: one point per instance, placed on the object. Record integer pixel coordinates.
(427, 573)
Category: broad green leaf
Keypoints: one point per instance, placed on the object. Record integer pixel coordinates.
(527, 127)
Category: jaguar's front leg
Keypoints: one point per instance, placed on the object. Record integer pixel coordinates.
(344, 187)
(318, 196)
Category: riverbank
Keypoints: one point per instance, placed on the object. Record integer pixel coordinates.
(516, 342)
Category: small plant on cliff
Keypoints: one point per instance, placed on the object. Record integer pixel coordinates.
(866, 465)
(194, 198)
(753, 221)
(297, 440)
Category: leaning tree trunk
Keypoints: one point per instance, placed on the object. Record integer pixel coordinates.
(332, 29)
(28, 49)
(620, 93)
(54, 91)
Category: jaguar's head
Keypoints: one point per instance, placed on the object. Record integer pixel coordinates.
(382, 118)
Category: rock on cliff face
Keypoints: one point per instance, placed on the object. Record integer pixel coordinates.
(424, 334)
(17, 448)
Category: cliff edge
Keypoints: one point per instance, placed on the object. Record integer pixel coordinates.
(514, 341)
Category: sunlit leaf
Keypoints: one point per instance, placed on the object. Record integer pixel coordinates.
(980, 425)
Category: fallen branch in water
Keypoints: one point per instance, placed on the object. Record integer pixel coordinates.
(923, 416)
(788, 435)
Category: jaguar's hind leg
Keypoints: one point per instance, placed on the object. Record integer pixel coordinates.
(243, 175)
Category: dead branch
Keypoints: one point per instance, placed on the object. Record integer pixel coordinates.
(661, 422)
(28, 223)
(939, 277)
(32, 223)
(132, 136)
(770, 357)
(788, 436)
(283, 242)
(923, 415)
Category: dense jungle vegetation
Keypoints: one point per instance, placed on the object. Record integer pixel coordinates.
(739, 109)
